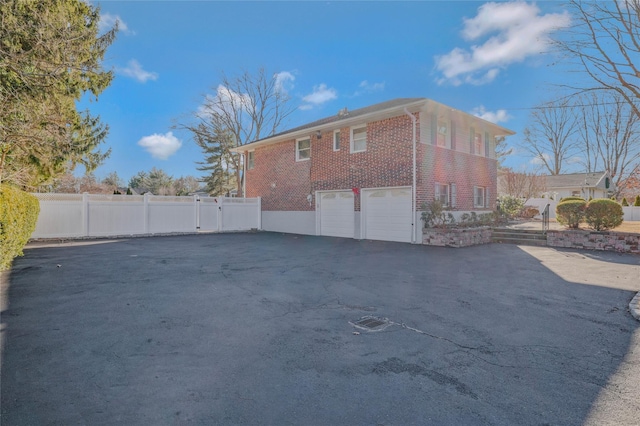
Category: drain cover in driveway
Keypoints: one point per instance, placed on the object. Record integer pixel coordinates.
(371, 323)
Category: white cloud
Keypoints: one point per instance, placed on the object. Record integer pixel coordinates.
(284, 81)
(134, 70)
(107, 21)
(160, 146)
(320, 95)
(366, 87)
(517, 30)
(499, 116)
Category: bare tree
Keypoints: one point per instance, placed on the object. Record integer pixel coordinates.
(611, 133)
(605, 41)
(523, 184)
(550, 135)
(245, 108)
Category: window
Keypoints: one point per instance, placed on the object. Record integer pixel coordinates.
(359, 139)
(443, 130)
(336, 140)
(250, 160)
(477, 143)
(479, 196)
(442, 194)
(446, 194)
(303, 149)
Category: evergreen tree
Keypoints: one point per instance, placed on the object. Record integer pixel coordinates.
(50, 56)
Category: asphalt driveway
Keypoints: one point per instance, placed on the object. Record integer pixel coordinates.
(260, 329)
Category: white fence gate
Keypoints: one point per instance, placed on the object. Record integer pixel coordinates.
(630, 213)
(88, 215)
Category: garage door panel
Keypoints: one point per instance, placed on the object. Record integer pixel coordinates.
(387, 214)
(336, 214)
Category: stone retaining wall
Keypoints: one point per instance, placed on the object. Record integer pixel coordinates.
(593, 240)
(456, 237)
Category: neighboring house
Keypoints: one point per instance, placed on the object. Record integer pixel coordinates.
(585, 185)
(365, 173)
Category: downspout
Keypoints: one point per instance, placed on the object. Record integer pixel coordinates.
(413, 186)
(244, 175)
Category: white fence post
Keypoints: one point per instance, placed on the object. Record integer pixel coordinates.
(146, 213)
(220, 199)
(85, 214)
(196, 204)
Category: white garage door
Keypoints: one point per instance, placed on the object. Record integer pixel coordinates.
(336, 214)
(387, 214)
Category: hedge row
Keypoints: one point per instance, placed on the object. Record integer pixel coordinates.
(18, 215)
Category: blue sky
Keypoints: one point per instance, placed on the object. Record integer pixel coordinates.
(492, 59)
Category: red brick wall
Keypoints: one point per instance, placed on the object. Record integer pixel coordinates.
(465, 170)
(284, 183)
(281, 181)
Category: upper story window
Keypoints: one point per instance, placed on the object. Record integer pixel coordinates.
(359, 139)
(336, 140)
(303, 149)
(442, 132)
(250, 160)
(478, 145)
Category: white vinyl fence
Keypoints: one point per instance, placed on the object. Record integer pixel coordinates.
(630, 213)
(88, 215)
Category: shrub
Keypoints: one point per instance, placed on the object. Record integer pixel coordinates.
(625, 203)
(637, 201)
(18, 215)
(510, 206)
(603, 214)
(434, 215)
(571, 212)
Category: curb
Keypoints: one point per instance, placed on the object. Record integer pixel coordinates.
(634, 306)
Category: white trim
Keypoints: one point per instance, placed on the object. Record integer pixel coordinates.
(308, 138)
(336, 132)
(351, 141)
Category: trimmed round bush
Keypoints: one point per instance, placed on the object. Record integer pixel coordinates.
(571, 212)
(603, 214)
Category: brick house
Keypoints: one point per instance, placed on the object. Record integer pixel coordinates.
(365, 173)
